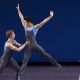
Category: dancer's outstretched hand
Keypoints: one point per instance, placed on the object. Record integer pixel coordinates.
(18, 7)
(52, 13)
(27, 42)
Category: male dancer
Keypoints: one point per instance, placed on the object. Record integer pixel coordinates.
(30, 33)
(9, 47)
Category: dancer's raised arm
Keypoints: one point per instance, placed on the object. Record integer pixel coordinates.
(45, 20)
(24, 23)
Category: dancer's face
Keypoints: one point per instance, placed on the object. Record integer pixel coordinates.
(29, 24)
(13, 35)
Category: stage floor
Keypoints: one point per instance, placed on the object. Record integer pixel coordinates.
(44, 73)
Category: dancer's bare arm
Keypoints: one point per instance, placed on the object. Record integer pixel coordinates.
(21, 16)
(11, 46)
(16, 43)
(45, 20)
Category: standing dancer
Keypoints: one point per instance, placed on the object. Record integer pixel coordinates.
(9, 48)
(30, 33)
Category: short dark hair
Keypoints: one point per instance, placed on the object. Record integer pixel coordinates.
(28, 19)
(9, 33)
